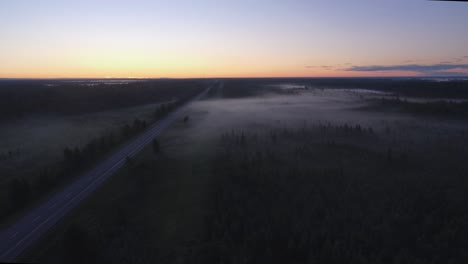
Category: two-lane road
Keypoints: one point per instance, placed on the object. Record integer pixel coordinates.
(18, 237)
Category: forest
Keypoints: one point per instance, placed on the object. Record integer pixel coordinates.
(264, 176)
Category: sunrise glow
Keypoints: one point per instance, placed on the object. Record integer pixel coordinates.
(185, 39)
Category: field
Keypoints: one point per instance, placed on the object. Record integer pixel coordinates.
(281, 171)
(40, 140)
(40, 120)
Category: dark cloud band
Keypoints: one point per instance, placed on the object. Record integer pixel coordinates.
(409, 67)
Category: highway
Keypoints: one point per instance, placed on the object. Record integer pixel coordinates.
(18, 237)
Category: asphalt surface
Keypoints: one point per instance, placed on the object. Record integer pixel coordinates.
(18, 237)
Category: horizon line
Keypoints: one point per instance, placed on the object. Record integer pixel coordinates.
(208, 78)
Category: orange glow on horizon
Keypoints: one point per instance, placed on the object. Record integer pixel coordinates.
(180, 72)
(206, 39)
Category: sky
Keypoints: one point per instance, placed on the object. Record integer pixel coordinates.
(226, 38)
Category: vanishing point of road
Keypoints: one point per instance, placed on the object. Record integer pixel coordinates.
(18, 237)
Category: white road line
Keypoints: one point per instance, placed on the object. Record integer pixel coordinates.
(14, 235)
(97, 177)
(27, 236)
(101, 177)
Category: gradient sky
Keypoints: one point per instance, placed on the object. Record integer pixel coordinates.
(231, 38)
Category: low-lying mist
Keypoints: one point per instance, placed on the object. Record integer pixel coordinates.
(314, 106)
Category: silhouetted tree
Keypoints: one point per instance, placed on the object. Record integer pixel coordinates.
(19, 193)
(103, 144)
(78, 247)
(67, 154)
(43, 182)
(77, 157)
(138, 124)
(156, 147)
(126, 131)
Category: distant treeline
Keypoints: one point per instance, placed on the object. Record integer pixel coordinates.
(237, 88)
(438, 108)
(404, 87)
(416, 88)
(23, 97)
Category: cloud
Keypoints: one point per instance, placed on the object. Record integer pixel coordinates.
(424, 69)
(323, 67)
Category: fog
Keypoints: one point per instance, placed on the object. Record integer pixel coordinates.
(336, 107)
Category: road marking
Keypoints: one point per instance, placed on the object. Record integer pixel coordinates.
(14, 235)
(21, 241)
(130, 149)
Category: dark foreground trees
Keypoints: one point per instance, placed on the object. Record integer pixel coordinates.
(19, 193)
(320, 194)
(336, 195)
(78, 158)
(155, 146)
(78, 247)
(22, 192)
